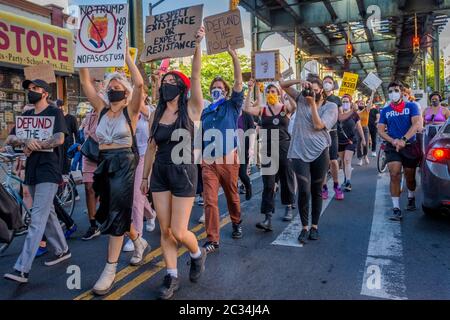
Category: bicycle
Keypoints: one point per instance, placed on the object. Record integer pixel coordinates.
(66, 195)
(381, 158)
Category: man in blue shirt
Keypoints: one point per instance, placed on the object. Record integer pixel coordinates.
(402, 120)
(220, 165)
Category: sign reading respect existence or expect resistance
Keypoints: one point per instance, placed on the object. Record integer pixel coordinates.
(172, 34)
(349, 82)
(223, 30)
(102, 36)
(27, 42)
(39, 128)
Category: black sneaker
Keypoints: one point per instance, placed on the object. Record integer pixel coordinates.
(58, 258)
(17, 276)
(347, 186)
(396, 215)
(197, 266)
(303, 236)
(168, 288)
(241, 189)
(237, 231)
(211, 246)
(313, 234)
(91, 233)
(411, 204)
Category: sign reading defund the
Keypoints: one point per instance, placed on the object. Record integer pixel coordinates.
(35, 127)
(172, 34)
(223, 30)
(102, 36)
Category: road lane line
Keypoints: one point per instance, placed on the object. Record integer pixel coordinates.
(384, 274)
(290, 234)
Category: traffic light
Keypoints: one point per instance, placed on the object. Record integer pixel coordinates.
(348, 51)
(234, 4)
(416, 44)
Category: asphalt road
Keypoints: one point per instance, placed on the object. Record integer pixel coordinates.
(361, 255)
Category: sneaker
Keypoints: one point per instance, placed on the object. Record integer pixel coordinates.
(303, 236)
(129, 246)
(41, 251)
(18, 276)
(21, 231)
(237, 231)
(211, 246)
(347, 186)
(202, 218)
(201, 202)
(411, 204)
(360, 162)
(168, 288)
(70, 231)
(324, 193)
(197, 266)
(374, 154)
(313, 234)
(366, 160)
(241, 189)
(91, 233)
(396, 215)
(150, 225)
(338, 193)
(58, 258)
(288, 216)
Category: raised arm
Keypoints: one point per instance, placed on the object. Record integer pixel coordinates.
(195, 103)
(291, 105)
(370, 101)
(138, 85)
(237, 70)
(249, 106)
(287, 86)
(88, 88)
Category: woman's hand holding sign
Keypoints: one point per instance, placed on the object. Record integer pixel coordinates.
(200, 35)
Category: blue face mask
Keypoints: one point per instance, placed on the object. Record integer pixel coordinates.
(217, 94)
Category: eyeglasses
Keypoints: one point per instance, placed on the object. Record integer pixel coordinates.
(394, 90)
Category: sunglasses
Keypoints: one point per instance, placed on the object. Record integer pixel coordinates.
(394, 90)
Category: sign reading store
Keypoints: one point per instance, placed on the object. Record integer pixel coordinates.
(27, 42)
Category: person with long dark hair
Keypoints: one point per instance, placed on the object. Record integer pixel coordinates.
(173, 180)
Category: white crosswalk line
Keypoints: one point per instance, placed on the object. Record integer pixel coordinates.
(384, 274)
(289, 235)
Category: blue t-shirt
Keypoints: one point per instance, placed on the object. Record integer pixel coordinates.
(398, 124)
(222, 118)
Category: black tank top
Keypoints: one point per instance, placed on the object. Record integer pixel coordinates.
(280, 122)
(163, 136)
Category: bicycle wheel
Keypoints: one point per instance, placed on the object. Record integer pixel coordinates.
(381, 161)
(66, 196)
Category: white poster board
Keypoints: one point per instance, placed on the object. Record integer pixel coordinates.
(35, 127)
(102, 36)
(372, 81)
(266, 65)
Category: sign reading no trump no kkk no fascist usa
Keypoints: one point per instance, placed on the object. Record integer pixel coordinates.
(223, 30)
(172, 34)
(102, 36)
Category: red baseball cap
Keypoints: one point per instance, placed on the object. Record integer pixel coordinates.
(183, 77)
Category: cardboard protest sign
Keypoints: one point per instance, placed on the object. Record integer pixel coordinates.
(43, 71)
(102, 36)
(124, 69)
(372, 81)
(287, 73)
(265, 65)
(172, 34)
(349, 82)
(39, 128)
(223, 30)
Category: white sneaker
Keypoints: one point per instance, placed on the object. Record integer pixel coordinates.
(366, 160)
(150, 225)
(374, 154)
(140, 245)
(106, 280)
(360, 163)
(129, 246)
(202, 218)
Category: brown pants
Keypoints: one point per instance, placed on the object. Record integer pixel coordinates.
(216, 175)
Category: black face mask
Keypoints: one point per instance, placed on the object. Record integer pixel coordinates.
(435, 103)
(169, 91)
(361, 108)
(116, 95)
(34, 97)
(318, 96)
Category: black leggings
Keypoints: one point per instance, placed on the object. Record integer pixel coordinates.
(310, 176)
(373, 136)
(243, 172)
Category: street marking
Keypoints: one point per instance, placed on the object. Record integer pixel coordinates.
(289, 235)
(384, 274)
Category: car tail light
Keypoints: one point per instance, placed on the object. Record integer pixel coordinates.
(438, 155)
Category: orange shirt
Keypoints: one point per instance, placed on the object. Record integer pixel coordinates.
(364, 116)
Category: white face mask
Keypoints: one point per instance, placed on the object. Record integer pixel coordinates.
(217, 94)
(328, 86)
(346, 106)
(394, 96)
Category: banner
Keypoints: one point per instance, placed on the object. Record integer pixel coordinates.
(172, 34)
(27, 42)
(223, 30)
(349, 82)
(43, 71)
(102, 36)
(35, 127)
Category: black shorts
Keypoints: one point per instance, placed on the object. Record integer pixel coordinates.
(347, 147)
(410, 156)
(334, 145)
(179, 179)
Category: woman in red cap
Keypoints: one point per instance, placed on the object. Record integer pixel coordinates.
(173, 181)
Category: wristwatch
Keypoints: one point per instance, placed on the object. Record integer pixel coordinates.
(405, 139)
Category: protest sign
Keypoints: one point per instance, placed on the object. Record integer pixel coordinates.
(265, 65)
(287, 73)
(39, 128)
(223, 30)
(102, 36)
(172, 34)
(43, 71)
(372, 81)
(349, 82)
